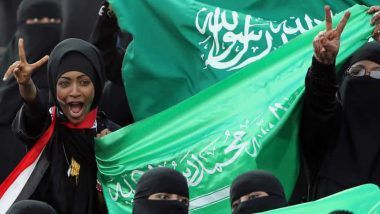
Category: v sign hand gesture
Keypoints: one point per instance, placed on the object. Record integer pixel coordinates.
(326, 43)
(23, 71)
(375, 10)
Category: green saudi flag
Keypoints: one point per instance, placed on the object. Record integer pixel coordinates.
(247, 121)
(181, 47)
(363, 199)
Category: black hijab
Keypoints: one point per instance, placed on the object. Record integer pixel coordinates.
(357, 152)
(68, 143)
(39, 40)
(76, 55)
(257, 181)
(158, 180)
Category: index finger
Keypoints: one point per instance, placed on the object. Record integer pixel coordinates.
(328, 18)
(10, 70)
(343, 22)
(40, 62)
(373, 9)
(21, 50)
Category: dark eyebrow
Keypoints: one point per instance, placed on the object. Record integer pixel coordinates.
(81, 76)
(65, 78)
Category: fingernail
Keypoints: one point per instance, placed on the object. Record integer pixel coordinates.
(4, 78)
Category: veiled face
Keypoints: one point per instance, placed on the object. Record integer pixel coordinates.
(45, 20)
(75, 93)
(249, 196)
(366, 65)
(169, 196)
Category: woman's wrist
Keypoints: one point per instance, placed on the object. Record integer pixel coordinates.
(28, 91)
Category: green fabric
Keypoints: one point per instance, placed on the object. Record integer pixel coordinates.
(362, 199)
(181, 47)
(247, 121)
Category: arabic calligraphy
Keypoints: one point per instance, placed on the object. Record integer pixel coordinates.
(214, 157)
(233, 41)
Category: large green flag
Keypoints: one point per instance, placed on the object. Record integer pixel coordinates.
(181, 47)
(247, 121)
(363, 199)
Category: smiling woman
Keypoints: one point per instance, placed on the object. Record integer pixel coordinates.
(75, 93)
(66, 177)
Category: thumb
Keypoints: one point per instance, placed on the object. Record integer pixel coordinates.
(10, 70)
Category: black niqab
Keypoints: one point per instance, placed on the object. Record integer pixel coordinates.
(29, 9)
(355, 159)
(160, 180)
(39, 40)
(257, 181)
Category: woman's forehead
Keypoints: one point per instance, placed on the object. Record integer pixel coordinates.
(74, 74)
(366, 63)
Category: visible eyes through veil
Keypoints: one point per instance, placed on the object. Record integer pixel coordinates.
(44, 20)
(358, 71)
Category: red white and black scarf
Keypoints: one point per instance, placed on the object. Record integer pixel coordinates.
(18, 179)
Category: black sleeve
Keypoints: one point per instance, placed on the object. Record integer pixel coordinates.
(112, 126)
(104, 37)
(105, 123)
(31, 120)
(319, 114)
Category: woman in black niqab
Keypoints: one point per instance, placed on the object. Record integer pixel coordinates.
(169, 183)
(250, 183)
(355, 159)
(39, 39)
(340, 124)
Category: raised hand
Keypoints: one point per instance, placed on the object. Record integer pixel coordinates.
(326, 43)
(375, 21)
(21, 69)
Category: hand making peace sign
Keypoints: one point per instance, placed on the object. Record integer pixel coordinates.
(21, 69)
(326, 43)
(375, 10)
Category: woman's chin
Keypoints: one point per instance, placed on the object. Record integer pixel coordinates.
(75, 118)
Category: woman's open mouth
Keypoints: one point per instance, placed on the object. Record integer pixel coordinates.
(76, 109)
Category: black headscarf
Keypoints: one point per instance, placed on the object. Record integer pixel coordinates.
(39, 40)
(257, 181)
(31, 206)
(158, 180)
(76, 55)
(67, 143)
(357, 152)
(38, 9)
(38, 37)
